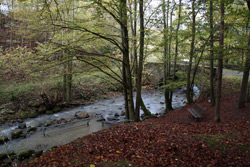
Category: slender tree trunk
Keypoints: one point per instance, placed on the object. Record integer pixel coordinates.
(68, 68)
(176, 39)
(133, 22)
(12, 23)
(67, 84)
(244, 84)
(211, 55)
(141, 55)
(169, 56)
(126, 60)
(125, 91)
(165, 57)
(65, 69)
(220, 64)
(189, 89)
(197, 64)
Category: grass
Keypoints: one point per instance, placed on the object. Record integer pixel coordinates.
(115, 164)
(215, 141)
(110, 164)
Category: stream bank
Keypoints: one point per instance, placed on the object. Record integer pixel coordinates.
(67, 132)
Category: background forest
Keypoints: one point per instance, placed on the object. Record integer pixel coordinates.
(62, 53)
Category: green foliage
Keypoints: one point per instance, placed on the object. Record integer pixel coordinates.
(180, 82)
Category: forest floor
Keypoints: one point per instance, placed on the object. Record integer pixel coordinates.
(172, 140)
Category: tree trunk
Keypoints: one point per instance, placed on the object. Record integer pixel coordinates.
(177, 40)
(211, 55)
(133, 22)
(189, 89)
(169, 56)
(126, 60)
(165, 58)
(144, 109)
(244, 84)
(220, 64)
(125, 91)
(141, 55)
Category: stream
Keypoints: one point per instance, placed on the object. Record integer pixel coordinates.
(61, 134)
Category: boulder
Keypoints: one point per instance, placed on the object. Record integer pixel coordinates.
(16, 134)
(83, 115)
(123, 113)
(117, 115)
(100, 119)
(20, 121)
(63, 120)
(112, 119)
(31, 129)
(47, 124)
(21, 125)
(23, 135)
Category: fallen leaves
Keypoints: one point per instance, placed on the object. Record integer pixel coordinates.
(174, 140)
(169, 144)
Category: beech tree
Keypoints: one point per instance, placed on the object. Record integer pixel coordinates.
(244, 84)
(212, 74)
(220, 63)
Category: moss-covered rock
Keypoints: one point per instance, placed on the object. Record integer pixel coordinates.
(2, 121)
(23, 135)
(41, 110)
(3, 106)
(47, 124)
(16, 134)
(39, 153)
(25, 154)
(23, 115)
(6, 111)
(56, 109)
(36, 105)
(49, 112)
(3, 139)
(33, 114)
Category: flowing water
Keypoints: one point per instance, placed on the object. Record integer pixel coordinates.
(65, 133)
